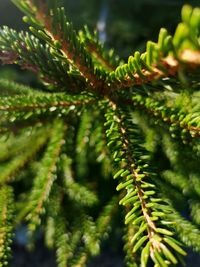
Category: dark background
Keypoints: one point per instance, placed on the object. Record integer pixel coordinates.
(128, 25)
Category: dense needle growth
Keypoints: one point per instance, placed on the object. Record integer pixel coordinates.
(96, 117)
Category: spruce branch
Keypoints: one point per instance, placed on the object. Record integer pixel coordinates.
(101, 56)
(27, 51)
(86, 128)
(9, 169)
(62, 241)
(185, 169)
(8, 88)
(6, 223)
(29, 107)
(14, 144)
(195, 211)
(140, 196)
(180, 123)
(131, 258)
(45, 177)
(51, 24)
(59, 234)
(74, 190)
(168, 57)
(188, 232)
(60, 129)
(106, 216)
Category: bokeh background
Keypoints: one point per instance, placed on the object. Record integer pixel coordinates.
(125, 25)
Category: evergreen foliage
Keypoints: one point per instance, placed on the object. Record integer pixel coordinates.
(58, 143)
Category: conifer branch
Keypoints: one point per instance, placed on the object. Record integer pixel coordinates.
(18, 126)
(14, 145)
(45, 176)
(51, 24)
(195, 211)
(6, 223)
(91, 135)
(178, 121)
(58, 232)
(80, 260)
(84, 85)
(9, 169)
(188, 232)
(131, 258)
(182, 167)
(102, 57)
(27, 51)
(105, 217)
(133, 73)
(33, 106)
(74, 190)
(135, 173)
(8, 88)
(168, 57)
(62, 241)
(86, 128)
(98, 138)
